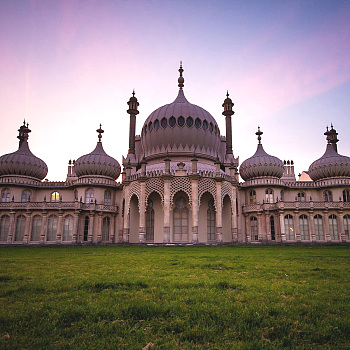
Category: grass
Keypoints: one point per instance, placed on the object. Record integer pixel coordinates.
(125, 297)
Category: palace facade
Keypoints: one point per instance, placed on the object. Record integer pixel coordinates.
(180, 184)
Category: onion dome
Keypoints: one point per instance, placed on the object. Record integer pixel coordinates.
(23, 162)
(181, 128)
(261, 164)
(331, 164)
(98, 162)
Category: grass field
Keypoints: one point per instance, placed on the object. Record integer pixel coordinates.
(125, 297)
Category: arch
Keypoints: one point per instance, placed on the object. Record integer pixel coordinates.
(180, 184)
(106, 224)
(318, 223)
(89, 195)
(181, 218)
(304, 228)
(158, 216)
(347, 226)
(86, 228)
(289, 227)
(206, 186)
(268, 195)
(346, 195)
(20, 227)
(252, 197)
(4, 227)
(134, 219)
(333, 227)
(227, 219)
(67, 228)
(51, 228)
(328, 196)
(155, 185)
(301, 197)
(254, 231)
(107, 198)
(25, 196)
(55, 196)
(6, 195)
(36, 228)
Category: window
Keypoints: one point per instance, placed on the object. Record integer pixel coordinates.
(163, 123)
(106, 223)
(51, 228)
(328, 196)
(107, 198)
(86, 228)
(346, 196)
(211, 127)
(333, 227)
(25, 196)
(189, 122)
(68, 228)
(156, 124)
(4, 227)
(150, 126)
(304, 228)
(198, 123)
(181, 121)
(269, 196)
(36, 228)
(282, 195)
(289, 227)
(252, 197)
(172, 121)
(20, 227)
(5, 195)
(205, 125)
(272, 226)
(211, 222)
(55, 197)
(89, 195)
(254, 234)
(347, 226)
(301, 197)
(319, 234)
(150, 222)
(180, 221)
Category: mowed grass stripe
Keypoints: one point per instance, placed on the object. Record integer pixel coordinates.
(219, 297)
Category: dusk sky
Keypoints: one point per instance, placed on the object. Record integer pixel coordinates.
(67, 66)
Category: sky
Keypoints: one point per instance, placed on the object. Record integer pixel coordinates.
(67, 66)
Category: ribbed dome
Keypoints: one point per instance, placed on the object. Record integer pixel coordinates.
(180, 127)
(23, 162)
(98, 162)
(261, 164)
(331, 164)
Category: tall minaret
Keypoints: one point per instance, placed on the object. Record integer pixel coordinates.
(133, 104)
(228, 104)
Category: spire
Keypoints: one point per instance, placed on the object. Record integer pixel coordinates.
(133, 112)
(181, 80)
(259, 133)
(228, 112)
(100, 132)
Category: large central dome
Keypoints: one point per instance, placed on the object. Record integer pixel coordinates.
(180, 128)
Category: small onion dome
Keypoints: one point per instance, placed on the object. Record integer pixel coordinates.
(331, 164)
(98, 162)
(261, 164)
(23, 162)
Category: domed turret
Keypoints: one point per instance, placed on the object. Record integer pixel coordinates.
(23, 162)
(180, 128)
(98, 162)
(331, 164)
(261, 164)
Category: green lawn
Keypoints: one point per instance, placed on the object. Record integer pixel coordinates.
(125, 297)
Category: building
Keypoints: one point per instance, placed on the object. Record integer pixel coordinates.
(180, 184)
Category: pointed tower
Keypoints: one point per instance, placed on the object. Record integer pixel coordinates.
(133, 112)
(228, 112)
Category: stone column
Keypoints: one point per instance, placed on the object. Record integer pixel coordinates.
(113, 235)
(342, 237)
(75, 227)
(91, 226)
(283, 229)
(126, 224)
(234, 223)
(327, 234)
(218, 213)
(296, 226)
(268, 227)
(312, 226)
(247, 230)
(166, 208)
(99, 228)
(43, 231)
(59, 227)
(195, 208)
(142, 227)
(12, 228)
(260, 226)
(28, 228)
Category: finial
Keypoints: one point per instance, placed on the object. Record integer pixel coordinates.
(133, 93)
(100, 132)
(259, 133)
(331, 125)
(181, 80)
(227, 95)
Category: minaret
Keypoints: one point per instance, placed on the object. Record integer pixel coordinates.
(133, 104)
(228, 112)
(23, 133)
(332, 137)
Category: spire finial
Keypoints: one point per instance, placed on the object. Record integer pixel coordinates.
(181, 80)
(227, 95)
(259, 133)
(100, 132)
(133, 93)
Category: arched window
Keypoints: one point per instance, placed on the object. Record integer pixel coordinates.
(86, 228)
(55, 196)
(282, 195)
(269, 196)
(180, 221)
(304, 228)
(319, 234)
(272, 226)
(346, 196)
(106, 223)
(301, 197)
(254, 233)
(89, 195)
(68, 228)
(211, 222)
(20, 227)
(51, 228)
(347, 226)
(4, 227)
(252, 197)
(328, 196)
(36, 228)
(289, 227)
(333, 227)
(5, 195)
(150, 222)
(107, 198)
(25, 196)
